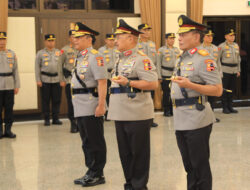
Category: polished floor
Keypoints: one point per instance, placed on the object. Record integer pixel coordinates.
(50, 158)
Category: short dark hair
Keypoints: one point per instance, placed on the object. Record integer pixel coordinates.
(93, 38)
(201, 34)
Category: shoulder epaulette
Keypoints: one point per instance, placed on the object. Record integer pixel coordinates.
(203, 52)
(141, 53)
(94, 51)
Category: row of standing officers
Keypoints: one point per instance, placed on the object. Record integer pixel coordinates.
(132, 77)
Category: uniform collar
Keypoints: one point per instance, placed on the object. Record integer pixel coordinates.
(204, 45)
(46, 49)
(85, 51)
(169, 47)
(128, 53)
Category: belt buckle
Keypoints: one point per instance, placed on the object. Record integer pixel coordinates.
(173, 103)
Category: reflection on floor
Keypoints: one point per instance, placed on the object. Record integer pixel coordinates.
(51, 158)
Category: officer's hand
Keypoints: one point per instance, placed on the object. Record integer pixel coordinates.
(100, 111)
(183, 82)
(238, 74)
(16, 90)
(39, 84)
(62, 84)
(120, 80)
(160, 81)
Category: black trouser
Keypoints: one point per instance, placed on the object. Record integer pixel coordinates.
(166, 102)
(69, 102)
(133, 139)
(51, 92)
(93, 143)
(194, 148)
(108, 95)
(6, 103)
(229, 83)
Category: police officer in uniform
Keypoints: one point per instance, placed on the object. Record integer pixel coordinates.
(110, 53)
(89, 88)
(196, 76)
(68, 55)
(166, 60)
(230, 62)
(9, 86)
(131, 106)
(148, 47)
(49, 78)
(214, 52)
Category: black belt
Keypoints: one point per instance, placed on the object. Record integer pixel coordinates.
(120, 90)
(168, 68)
(229, 64)
(186, 101)
(165, 77)
(93, 91)
(6, 74)
(49, 74)
(109, 70)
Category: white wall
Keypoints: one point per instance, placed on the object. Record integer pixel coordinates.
(21, 39)
(225, 7)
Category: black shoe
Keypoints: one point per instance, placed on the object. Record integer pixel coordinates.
(10, 135)
(128, 186)
(57, 122)
(1, 132)
(226, 111)
(93, 181)
(168, 114)
(73, 127)
(217, 120)
(46, 123)
(81, 180)
(154, 124)
(232, 110)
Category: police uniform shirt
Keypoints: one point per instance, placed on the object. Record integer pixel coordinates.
(167, 58)
(109, 55)
(214, 52)
(68, 55)
(8, 64)
(133, 64)
(199, 67)
(90, 68)
(48, 61)
(229, 53)
(149, 49)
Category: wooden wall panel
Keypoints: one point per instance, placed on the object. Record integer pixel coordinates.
(3, 15)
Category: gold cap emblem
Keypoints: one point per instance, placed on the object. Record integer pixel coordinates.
(76, 27)
(180, 21)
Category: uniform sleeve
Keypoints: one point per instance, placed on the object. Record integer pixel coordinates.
(159, 63)
(98, 67)
(38, 67)
(239, 61)
(220, 51)
(16, 75)
(208, 71)
(146, 70)
(152, 52)
(219, 63)
(60, 69)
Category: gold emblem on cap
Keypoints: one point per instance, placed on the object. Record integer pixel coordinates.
(50, 36)
(180, 21)
(232, 30)
(76, 27)
(118, 25)
(2, 34)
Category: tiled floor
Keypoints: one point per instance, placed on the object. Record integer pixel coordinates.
(51, 158)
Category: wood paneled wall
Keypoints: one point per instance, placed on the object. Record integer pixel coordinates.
(3, 15)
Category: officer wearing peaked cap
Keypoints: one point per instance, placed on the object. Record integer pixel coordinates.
(133, 78)
(49, 78)
(229, 54)
(148, 47)
(213, 50)
(68, 55)
(109, 53)
(89, 88)
(195, 77)
(9, 86)
(166, 61)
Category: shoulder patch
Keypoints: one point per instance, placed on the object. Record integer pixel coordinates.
(94, 51)
(203, 52)
(62, 51)
(151, 45)
(192, 51)
(141, 53)
(100, 61)
(210, 64)
(147, 64)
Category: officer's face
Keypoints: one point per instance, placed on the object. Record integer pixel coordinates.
(230, 38)
(82, 42)
(110, 43)
(146, 33)
(170, 41)
(50, 44)
(208, 38)
(189, 40)
(123, 42)
(3, 43)
(71, 39)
